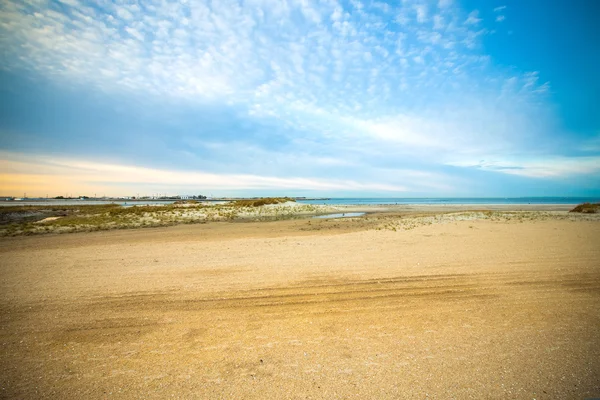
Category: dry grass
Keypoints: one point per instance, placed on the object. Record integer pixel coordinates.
(261, 202)
(27, 220)
(178, 202)
(30, 220)
(587, 208)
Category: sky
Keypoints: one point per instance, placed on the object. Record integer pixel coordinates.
(358, 98)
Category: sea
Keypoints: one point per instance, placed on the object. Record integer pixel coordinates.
(341, 201)
(452, 200)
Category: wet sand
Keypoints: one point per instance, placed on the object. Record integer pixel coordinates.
(304, 309)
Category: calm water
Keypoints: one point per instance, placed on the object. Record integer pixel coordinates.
(454, 200)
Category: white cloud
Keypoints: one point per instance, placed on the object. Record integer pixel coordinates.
(225, 50)
(500, 18)
(72, 3)
(548, 167)
(473, 18)
(135, 33)
(444, 3)
(500, 8)
(124, 13)
(438, 22)
(421, 11)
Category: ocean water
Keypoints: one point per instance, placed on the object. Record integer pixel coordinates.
(347, 201)
(453, 200)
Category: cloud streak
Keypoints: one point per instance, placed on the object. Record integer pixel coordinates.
(551, 167)
(42, 174)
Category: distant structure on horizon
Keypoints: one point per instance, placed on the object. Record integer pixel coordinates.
(105, 198)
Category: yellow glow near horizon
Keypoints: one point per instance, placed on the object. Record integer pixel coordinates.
(41, 176)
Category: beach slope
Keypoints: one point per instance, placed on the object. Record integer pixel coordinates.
(304, 309)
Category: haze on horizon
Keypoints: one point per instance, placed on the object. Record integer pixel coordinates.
(303, 98)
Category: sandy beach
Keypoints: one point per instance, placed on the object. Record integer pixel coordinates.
(387, 305)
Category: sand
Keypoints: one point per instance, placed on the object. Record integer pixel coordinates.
(304, 309)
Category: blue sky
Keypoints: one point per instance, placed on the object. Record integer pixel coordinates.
(297, 97)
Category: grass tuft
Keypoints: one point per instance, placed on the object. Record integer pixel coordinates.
(261, 202)
(587, 208)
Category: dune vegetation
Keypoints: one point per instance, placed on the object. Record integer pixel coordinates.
(27, 220)
(587, 208)
(263, 201)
